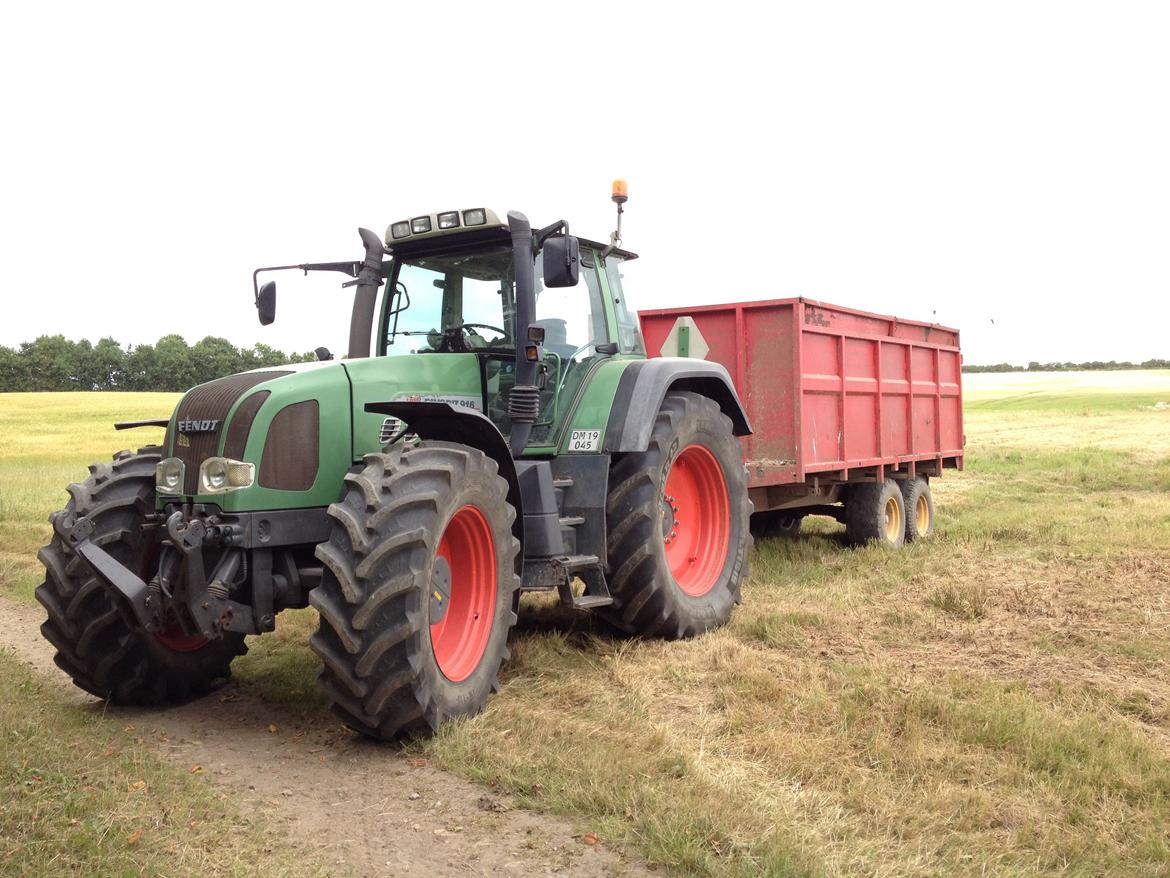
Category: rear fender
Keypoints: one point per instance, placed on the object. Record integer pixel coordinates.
(644, 385)
(448, 423)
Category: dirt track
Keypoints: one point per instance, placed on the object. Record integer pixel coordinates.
(367, 809)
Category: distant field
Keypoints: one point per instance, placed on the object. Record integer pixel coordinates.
(994, 701)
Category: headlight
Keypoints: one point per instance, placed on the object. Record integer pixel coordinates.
(400, 230)
(420, 224)
(477, 217)
(449, 220)
(218, 475)
(168, 476)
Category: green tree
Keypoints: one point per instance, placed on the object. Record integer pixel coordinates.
(173, 366)
(214, 358)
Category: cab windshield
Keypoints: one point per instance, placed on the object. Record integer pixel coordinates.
(453, 303)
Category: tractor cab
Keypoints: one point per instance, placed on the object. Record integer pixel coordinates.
(451, 289)
(504, 305)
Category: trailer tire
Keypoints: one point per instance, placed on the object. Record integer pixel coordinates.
(421, 550)
(919, 505)
(777, 523)
(673, 575)
(875, 513)
(98, 645)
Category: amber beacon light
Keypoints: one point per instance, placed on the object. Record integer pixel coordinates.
(620, 195)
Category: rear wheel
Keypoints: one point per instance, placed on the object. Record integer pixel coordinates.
(677, 517)
(919, 508)
(418, 592)
(875, 513)
(98, 645)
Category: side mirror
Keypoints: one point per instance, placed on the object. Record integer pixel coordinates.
(562, 261)
(266, 303)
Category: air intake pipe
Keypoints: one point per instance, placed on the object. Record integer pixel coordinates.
(524, 401)
(369, 278)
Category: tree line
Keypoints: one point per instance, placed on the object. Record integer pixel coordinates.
(53, 362)
(1089, 366)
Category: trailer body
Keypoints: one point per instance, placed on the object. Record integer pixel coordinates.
(834, 395)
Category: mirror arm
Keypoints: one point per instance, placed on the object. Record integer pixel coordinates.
(350, 268)
(547, 232)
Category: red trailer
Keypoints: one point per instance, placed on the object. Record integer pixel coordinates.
(852, 412)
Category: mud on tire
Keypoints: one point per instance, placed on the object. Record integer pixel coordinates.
(381, 572)
(97, 644)
(648, 599)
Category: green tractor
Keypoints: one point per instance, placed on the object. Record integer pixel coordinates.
(496, 428)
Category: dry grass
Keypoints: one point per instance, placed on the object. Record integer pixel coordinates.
(993, 701)
(83, 795)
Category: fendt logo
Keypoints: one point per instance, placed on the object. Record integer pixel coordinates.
(197, 426)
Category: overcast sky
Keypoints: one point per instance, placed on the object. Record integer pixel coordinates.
(999, 167)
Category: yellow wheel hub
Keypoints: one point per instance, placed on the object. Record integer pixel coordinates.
(893, 520)
(922, 514)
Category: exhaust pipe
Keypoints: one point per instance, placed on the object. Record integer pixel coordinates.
(524, 401)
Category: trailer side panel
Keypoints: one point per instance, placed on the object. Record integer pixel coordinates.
(834, 394)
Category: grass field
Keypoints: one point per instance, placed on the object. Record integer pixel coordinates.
(993, 701)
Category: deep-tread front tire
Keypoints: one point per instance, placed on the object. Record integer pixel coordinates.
(97, 644)
(380, 672)
(919, 503)
(875, 513)
(647, 598)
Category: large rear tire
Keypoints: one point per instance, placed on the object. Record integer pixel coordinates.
(421, 573)
(678, 524)
(98, 645)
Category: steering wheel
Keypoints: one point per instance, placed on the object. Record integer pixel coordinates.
(453, 339)
(502, 332)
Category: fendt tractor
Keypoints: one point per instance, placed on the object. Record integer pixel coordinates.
(503, 433)
(496, 427)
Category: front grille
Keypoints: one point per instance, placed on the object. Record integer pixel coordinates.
(210, 402)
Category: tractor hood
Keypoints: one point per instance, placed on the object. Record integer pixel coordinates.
(279, 419)
(303, 425)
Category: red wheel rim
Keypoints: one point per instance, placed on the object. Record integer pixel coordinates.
(460, 638)
(696, 520)
(175, 639)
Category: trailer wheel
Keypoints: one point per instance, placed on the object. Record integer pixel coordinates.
(875, 513)
(777, 523)
(418, 590)
(678, 524)
(97, 644)
(919, 508)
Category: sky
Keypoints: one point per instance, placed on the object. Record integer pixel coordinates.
(1003, 168)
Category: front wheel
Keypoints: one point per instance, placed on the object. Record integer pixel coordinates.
(97, 644)
(678, 524)
(418, 591)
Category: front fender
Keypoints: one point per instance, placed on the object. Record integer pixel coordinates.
(443, 421)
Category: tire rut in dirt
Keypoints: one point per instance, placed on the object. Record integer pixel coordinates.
(647, 599)
(97, 644)
(374, 640)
